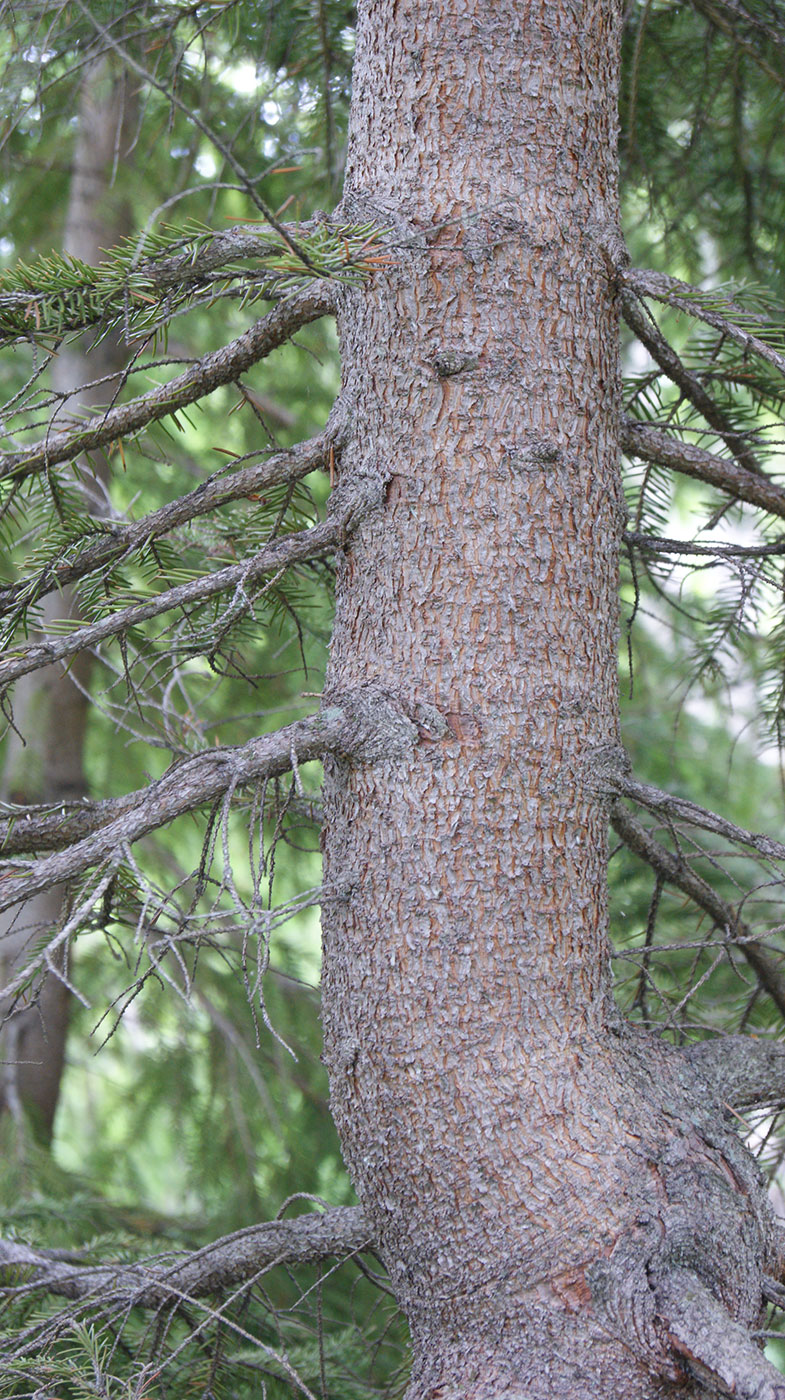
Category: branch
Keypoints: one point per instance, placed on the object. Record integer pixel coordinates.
(116, 540)
(743, 1071)
(728, 16)
(692, 301)
(219, 367)
(652, 544)
(228, 1262)
(768, 966)
(680, 809)
(653, 445)
(718, 1351)
(365, 724)
(280, 554)
(648, 332)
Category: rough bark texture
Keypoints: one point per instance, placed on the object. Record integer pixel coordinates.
(50, 708)
(531, 1169)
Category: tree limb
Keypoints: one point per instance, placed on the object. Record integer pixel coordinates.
(654, 445)
(718, 1351)
(226, 1263)
(650, 335)
(680, 809)
(684, 297)
(280, 554)
(766, 964)
(117, 539)
(219, 367)
(363, 724)
(743, 1071)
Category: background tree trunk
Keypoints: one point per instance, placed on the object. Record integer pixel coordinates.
(527, 1163)
(46, 764)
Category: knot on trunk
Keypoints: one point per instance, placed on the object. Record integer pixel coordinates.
(376, 727)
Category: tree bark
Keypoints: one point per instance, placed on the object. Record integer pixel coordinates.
(531, 1168)
(51, 707)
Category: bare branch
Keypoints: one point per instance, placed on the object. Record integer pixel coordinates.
(653, 544)
(654, 445)
(116, 540)
(367, 724)
(219, 367)
(680, 809)
(226, 1263)
(650, 335)
(684, 297)
(767, 965)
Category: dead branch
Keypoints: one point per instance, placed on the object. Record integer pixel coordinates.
(681, 809)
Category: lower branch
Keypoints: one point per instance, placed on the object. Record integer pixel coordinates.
(717, 1351)
(767, 965)
(743, 1071)
(665, 450)
(228, 1262)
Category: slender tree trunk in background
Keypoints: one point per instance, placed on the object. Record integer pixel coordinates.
(51, 708)
(532, 1168)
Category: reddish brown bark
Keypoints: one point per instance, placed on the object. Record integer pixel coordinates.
(530, 1167)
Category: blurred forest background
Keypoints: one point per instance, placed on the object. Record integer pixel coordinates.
(192, 1101)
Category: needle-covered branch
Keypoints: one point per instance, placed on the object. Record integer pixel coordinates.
(663, 449)
(116, 540)
(714, 308)
(141, 283)
(229, 1262)
(649, 334)
(210, 372)
(280, 554)
(768, 966)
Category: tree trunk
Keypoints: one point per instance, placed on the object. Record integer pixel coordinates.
(535, 1170)
(51, 707)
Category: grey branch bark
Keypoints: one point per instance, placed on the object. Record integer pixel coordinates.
(227, 1263)
(743, 1071)
(313, 543)
(686, 298)
(367, 723)
(648, 332)
(681, 809)
(766, 964)
(661, 448)
(718, 1351)
(118, 539)
(220, 367)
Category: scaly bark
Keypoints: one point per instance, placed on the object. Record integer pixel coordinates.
(531, 1168)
